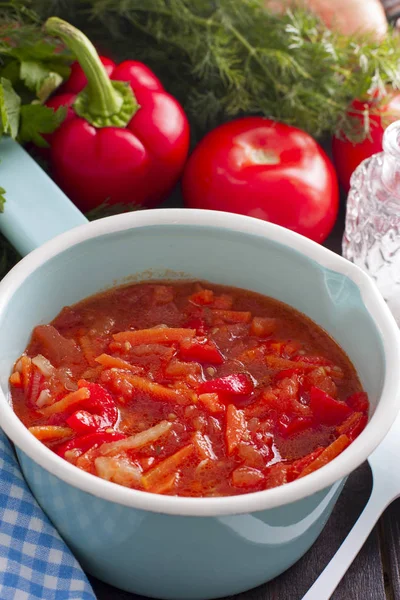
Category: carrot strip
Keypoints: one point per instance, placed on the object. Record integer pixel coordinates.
(15, 379)
(203, 446)
(157, 335)
(156, 391)
(166, 485)
(26, 372)
(212, 403)
(327, 455)
(50, 432)
(139, 440)
(166, 467)
(88, 349)
(352, 420)
(177, 368)
(278, 364)
(232, 316)
(66, 402)
(236, 427)
(113, 362)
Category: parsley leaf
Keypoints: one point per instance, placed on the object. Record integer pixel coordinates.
(37, 119)
(32, 74)
(39, 78)
(10, 104)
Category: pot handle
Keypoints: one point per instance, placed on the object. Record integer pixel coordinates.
(36, 210)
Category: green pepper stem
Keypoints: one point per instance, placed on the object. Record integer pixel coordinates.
(103, 102)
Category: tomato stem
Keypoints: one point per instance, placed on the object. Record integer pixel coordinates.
(103, 102)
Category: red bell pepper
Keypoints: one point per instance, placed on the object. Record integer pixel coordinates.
(203, 351)
(85, 442)
(288, 426)
(327, 410)
(97, 412)
(358, 401)
(198, 324)
(238, 384)
(125, 139)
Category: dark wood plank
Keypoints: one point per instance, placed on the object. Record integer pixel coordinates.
(390, 542)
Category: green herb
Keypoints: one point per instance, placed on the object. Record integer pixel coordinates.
(37, 119)
(2, 199)
(10, 106)
(226, 58)
(32, 66)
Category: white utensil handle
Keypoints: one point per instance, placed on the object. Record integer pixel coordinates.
(329, 579)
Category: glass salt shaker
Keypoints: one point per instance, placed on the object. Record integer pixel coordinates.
(372, 232)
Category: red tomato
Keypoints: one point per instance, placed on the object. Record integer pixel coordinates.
(346, 155)
(259, 168)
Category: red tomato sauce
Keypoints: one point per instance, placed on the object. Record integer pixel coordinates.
(188, 389)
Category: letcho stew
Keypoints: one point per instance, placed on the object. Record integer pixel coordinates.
(188, 389)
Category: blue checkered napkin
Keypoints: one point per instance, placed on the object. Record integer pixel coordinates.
(34, 560)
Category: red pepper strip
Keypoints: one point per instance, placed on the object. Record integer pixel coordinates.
(290, 426)
(238, 384)
(300, 464)
(83, 421)
(327, 455)
(353, 425)
(358, 401)
(203, 351)
(358, 428)
(123, 126)
(101, 404)
(327, 410)
(85, 442)
(198, 324)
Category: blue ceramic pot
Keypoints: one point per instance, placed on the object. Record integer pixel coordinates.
(191, 548)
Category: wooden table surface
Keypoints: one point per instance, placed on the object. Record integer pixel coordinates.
(375, 573)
